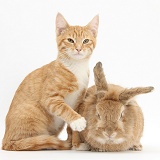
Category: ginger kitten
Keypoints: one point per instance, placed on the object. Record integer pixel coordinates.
(47, 97)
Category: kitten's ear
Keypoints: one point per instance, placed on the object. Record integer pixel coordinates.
(93, 25)
(61, 24)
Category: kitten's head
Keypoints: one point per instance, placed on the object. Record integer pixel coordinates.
(76, 42)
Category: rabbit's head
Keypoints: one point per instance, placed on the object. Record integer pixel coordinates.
(113, 120)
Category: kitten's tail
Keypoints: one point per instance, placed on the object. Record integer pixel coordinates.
(38, 143)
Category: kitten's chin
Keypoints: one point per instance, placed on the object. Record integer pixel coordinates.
(78, 56)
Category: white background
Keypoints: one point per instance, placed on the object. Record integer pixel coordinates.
(127, 45)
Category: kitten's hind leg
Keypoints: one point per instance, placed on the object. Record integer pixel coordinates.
(27, 129)
(37, 143)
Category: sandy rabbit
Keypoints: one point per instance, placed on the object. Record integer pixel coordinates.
(114, 119)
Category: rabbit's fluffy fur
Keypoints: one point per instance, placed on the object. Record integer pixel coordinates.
(114, 120)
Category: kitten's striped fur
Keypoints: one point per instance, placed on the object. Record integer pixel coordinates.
(48, 96)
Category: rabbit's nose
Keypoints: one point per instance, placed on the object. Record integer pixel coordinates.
(113, 135)
(110, 135)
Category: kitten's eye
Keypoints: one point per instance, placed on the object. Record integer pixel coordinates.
(85, 41)
(70, 40)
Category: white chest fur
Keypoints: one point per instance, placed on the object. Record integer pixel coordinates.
(80, 70)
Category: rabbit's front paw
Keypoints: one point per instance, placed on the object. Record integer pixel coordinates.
(136, 147)
(78, 125)
(81, 147)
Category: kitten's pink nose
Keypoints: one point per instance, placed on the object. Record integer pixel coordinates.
(78, 49)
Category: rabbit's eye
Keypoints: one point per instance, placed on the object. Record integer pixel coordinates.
(121, 116)
(99, 117)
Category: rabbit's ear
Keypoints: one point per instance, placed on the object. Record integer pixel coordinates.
(99, 78)
(130, 93)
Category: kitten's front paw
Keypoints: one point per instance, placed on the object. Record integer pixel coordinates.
(78, 125)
